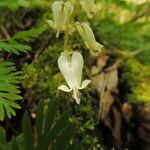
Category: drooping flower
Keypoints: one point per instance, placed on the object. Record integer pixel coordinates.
(89, 7)
(71, 68)
(61, 13)
(89, 39)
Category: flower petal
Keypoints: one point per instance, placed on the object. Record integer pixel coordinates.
(64, 64)
(89, 35)
(98, 47)
(57, 12)
(80, 29)
(84, 84)
(90, 15)
(77, 66)
(69, 7)
(64, 88)
(51, 23)
(86, 33)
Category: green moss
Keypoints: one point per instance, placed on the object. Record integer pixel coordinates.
(141, 93)
(137, 79)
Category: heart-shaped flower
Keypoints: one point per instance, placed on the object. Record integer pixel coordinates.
(61, 13)
(89, 39)
(71, 68)
(89, 7)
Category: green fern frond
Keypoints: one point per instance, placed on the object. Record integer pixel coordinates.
(29, 35)
(8, 90)
(14, 47)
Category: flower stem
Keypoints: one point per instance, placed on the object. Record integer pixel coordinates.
(67, 33)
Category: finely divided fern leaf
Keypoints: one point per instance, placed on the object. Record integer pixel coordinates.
(29, 35)
(14, 47)
(8, 91)
(9, 77)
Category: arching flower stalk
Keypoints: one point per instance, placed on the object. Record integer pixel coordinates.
(89, 7)
(61, 13)
(89, 39)
(71, 68)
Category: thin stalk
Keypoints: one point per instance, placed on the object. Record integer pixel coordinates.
(67, 33)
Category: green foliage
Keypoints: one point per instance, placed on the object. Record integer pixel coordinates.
(16, 4)
(12, 46)
(52, 131)
(140, 94)
(13, 5)
(136, 76)
(14, 145)
(29, 35)
(3, 144)
(27, 132)
(9, 76)
(120, 3)
(8, 90)
(132, 34)
(15, 48)
(125, 36)
(121, 36)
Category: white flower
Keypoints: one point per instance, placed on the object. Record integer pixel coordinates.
(89, 7)
(89, 39)
(61, 13)
(71, 68)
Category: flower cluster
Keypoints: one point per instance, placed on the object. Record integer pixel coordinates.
(71, 63)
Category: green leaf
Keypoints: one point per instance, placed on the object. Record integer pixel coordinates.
(8, 111)
(58, 133)
(15, 48)
(20, 141)
(2, 136)
(8, 90)
(14, 105)
(39, 123)
(14, 145)
(27, 132)
(10, 96)
(76, 146)
(5, 87)
(62, 122)
(79, 146)
(2, 114)
(63, 140)
(29, 35)
(50, 112)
